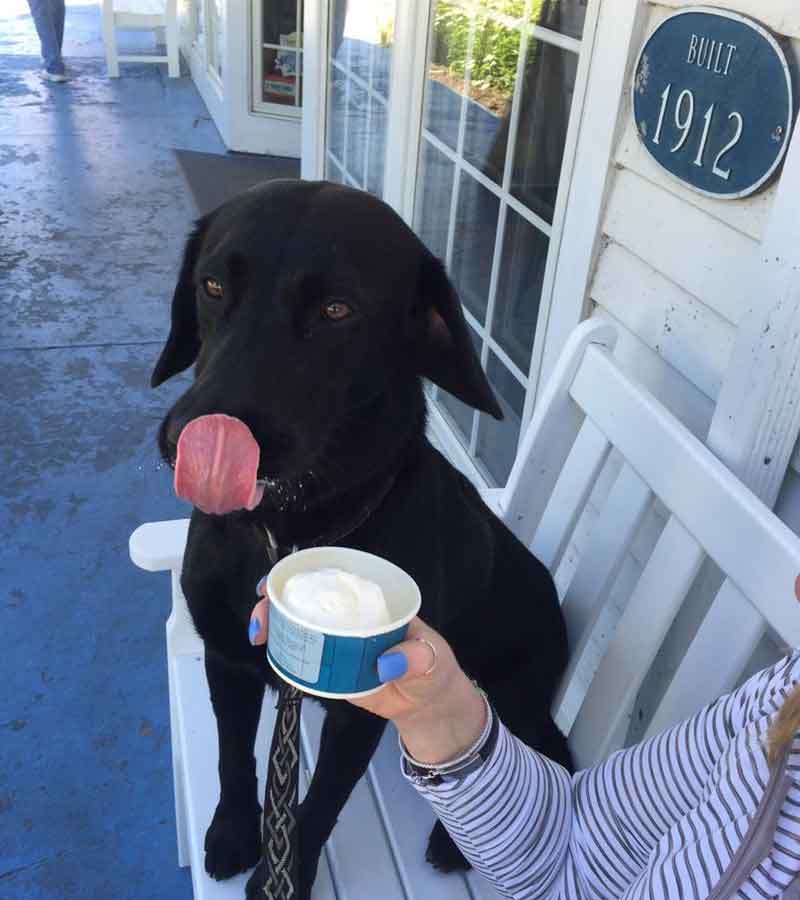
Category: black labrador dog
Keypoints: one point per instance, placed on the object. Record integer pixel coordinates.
(312, 313)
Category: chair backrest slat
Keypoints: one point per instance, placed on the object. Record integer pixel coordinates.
(580, 472)
(697, 488)
(720, 650)
(600, 563)
(548, 438)
(603, 719)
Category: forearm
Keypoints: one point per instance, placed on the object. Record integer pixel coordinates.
(511, 818)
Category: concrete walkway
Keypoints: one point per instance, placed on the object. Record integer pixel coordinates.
(93, 214)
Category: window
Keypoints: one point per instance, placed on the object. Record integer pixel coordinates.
(278, 36)
(500, 79)
(359, 61)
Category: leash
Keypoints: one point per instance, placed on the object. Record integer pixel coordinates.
(279, 843)
(279, 836)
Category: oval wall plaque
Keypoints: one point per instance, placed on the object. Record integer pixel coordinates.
(712, 100)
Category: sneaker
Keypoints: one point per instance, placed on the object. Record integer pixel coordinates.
(58, 77)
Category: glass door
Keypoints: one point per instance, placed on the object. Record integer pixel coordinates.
(500, 79)
(277, 56)
(359, 63)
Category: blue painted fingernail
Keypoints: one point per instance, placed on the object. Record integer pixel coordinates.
(261, 587)
(391, 666)
(254, 630)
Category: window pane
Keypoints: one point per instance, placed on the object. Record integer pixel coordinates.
(280, 19)
(333, 172)
(336, 116)
(460, 414)
(566, 16)
(473, 245)
(545, 104)
(338, 46)
(382, 57)
(376, 139)
(281, 78)
(359, 72)
(448, 59)
(356, 133)
(492, 76)
(434, 193)
(497, 441)
(519, 288)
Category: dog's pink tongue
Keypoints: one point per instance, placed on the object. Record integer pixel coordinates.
(216, 465)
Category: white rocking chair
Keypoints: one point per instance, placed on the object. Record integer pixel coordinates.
(141, 15)
(593, 419)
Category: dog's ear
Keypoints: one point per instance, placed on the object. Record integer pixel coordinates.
(183, 343)
(442, 347)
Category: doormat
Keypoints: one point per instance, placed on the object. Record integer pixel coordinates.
(214, 178)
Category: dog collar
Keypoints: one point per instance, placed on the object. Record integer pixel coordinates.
(276, 550)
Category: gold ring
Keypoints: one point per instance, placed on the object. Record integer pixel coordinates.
(423, 640)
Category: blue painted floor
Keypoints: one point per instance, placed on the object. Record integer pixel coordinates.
(93, 213)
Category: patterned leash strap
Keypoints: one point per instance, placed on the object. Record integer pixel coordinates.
(279, 844)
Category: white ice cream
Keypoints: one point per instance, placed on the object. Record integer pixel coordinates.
(334, 599)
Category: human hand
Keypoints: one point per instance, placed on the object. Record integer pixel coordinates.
(437, 710)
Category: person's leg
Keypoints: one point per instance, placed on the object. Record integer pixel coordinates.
(45, 21)
(59, 14)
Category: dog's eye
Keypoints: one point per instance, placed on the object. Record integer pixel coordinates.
(336, 310)
(212, 287)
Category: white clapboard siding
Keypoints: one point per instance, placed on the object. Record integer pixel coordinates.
(749, 217)
(682, 398)
(779, 15)
(688, 334)
(699, 253)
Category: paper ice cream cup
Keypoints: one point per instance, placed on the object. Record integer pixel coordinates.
(329, 662)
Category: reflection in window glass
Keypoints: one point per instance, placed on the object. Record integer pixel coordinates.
(519, 288)
(491, 89)
(450, 39)
(281, 57)
(459, 413)
(361, 38)
(432, 210)
(542, 130)
(216, 35)
(473, 244)
(497, 441)
(465, 151)
(565, 16)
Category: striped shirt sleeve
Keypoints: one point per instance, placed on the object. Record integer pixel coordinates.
(511, 818)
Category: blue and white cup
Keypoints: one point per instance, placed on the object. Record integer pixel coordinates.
(336, 663)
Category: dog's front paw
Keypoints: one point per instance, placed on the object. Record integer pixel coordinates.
(442, 852)
(233, 840)
(254, 889)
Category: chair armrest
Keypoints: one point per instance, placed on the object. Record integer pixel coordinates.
(157, 546)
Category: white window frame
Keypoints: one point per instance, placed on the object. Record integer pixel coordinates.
(604, 48)
(258, 104)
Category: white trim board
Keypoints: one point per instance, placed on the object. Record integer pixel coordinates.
(779, 15)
